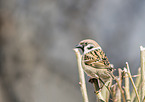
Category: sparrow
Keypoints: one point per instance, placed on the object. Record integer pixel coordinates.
(94, 61)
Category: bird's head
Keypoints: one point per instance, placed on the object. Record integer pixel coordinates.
(87, 45)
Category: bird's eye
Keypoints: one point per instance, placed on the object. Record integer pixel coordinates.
(86, 43)
(90, 47)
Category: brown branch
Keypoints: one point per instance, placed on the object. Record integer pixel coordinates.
(137, 84)
(127, 86)
(134, 87)
(81, 76)
(142, 62)
(119, 86)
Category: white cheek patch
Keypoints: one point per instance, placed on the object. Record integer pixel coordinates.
(86, 50)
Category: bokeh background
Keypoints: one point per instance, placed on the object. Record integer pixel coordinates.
(37, 37)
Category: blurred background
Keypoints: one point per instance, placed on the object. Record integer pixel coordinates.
(37, 37)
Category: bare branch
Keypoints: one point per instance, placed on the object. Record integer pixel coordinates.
(81, 76)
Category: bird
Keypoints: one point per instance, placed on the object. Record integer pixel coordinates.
(94, 61)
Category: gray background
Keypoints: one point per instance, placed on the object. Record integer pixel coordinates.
(37, 63)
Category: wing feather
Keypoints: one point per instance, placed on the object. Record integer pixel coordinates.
(97, 59)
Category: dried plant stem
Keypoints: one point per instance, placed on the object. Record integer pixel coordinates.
(142, 62)
(118, 95)
(122, 92)
(114, 95)
(120, 82)
(127, 86)
(119, 86)
(137, 84)
(81, 76)
(97, 91)
(135, 89)
(106, 92)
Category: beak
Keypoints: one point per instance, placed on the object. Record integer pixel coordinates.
(79, 46)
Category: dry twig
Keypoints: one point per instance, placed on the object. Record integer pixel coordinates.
(134, 87)
(81, 76)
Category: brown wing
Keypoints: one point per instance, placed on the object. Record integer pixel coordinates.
(97, 59)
